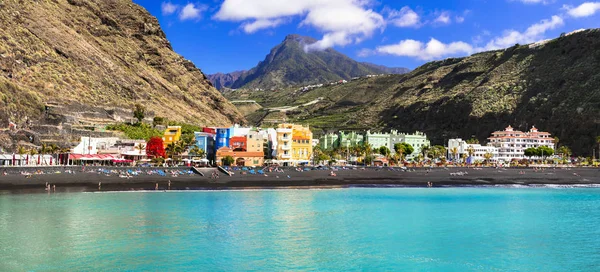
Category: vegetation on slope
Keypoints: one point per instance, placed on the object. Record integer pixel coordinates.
(555, 87)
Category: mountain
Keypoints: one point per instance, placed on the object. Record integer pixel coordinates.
(288, 64)
(87, 62)
(387, 70)
(221, 81)
(554, 85)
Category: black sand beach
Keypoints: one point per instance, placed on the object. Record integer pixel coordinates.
(181, 179)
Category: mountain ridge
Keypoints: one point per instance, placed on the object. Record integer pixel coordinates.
(289, 64)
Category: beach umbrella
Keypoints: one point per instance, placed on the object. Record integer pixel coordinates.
(38, 163)
(13, 160)
(50, 160)
(27, 160)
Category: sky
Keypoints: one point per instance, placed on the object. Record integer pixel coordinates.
(230, 35)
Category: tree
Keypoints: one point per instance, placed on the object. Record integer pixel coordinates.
(564, 152)
(488, 156)
(598, 142)
(155, 148)
(454, 152)
(139, 112)
(188, 140)
(140, 147)
(470, 150)
(197, 151)
(545, 151)
(402, 149)
(439, 151)
(158, 121)
(227, 160)
(425, 150)
(530, 152)
(473, 141)
(384, 151)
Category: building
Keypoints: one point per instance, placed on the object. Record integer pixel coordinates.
(478, 151)
(512, 143)
(91, 145)
(172, 134)
(417, 140)
(294, 144)
(238, 143)
(206, 141)
(222, 138)
(328, 141)
(349, 139)
(241, 158)
(255, 141)
(377, 140)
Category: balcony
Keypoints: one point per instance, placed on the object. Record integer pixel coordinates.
(286, 147)
(285, 156)
(284, 130)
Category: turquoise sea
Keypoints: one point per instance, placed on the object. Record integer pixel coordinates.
(391, 229)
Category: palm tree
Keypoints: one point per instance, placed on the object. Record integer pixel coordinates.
(54, 149)
(21, 151)
(170, 150)
(598, 142)
(471, 151)
(197, 151)
(140, 147)
(454, 152)
(425, 150)
(487, 157)
(43, 149)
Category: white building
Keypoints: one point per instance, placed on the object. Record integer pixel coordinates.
(479, 151)
(512, 143)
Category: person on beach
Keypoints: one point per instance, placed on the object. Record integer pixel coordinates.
(54, 188)
(169, 184)
(156, 186)
(100, 185)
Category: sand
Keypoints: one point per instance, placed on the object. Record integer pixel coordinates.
(87, 179)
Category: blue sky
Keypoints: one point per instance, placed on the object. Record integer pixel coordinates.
(228, 35)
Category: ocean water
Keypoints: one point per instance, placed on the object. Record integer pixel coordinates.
(439, 229)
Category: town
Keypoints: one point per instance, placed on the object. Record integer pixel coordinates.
(295, 145)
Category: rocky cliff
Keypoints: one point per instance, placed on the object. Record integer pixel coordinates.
(87, 62)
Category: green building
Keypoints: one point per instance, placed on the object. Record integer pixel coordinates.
(340, 140)
(417, 140)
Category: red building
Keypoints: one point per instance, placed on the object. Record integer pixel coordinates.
(238, 143)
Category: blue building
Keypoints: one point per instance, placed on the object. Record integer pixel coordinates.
(206, 141)
(223, 136)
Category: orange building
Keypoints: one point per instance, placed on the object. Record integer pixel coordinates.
(241, 158)
(238, 143)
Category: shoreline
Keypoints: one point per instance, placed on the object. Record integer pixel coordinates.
(69, 179)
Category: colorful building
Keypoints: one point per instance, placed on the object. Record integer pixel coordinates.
(241, 158)
(417, 140)
(223, 137)
(294, 144)
(377, 140)
(238, 143)
(349, 139)
(512, 143)
(328, 141)
(206, 142)
(172, 134)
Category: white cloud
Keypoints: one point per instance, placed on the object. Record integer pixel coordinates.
(584, 10)
(168, 8)
(405, 17)
(459, 19)
(342, 21)
(443, 18)
(260, 24)
(191, 12)
(533, 33)
(433, 49)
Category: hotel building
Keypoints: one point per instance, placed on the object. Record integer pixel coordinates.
(512, 143)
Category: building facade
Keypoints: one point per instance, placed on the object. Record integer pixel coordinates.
(172, 134)
(512, 143)
(241, 158)
(473, 152)
(417, 140)
(222, 137)
(294, 144)
(349, 139)
(377, 140)
(206, 142)
(328, 141)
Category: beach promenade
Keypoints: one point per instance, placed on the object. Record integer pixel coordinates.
(182, 178)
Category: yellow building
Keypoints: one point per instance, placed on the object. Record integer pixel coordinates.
(294, 144)
(171, 135)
